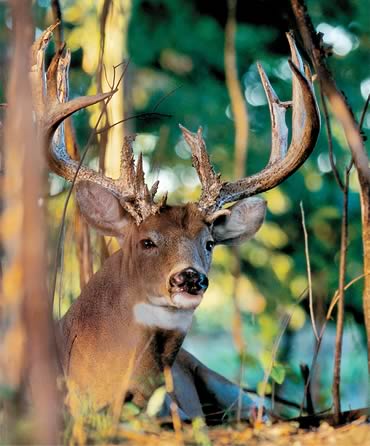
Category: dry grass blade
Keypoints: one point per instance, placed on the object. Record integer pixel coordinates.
(173, 406)
(309, 276)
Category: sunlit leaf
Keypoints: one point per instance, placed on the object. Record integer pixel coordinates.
(156, 401)
(200, 432)
(278, 373)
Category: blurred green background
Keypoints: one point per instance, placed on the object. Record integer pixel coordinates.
(175, 50)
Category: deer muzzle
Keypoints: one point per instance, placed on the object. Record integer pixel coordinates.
(189, 281)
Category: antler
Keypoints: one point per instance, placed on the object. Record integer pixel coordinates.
(51, 106)
(283, 162)
(139, 200)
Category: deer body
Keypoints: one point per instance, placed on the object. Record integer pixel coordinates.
(130, 320)
(130, 308)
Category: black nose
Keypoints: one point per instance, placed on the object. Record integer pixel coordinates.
(189, 280)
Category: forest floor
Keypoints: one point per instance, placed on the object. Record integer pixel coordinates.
(281, 434)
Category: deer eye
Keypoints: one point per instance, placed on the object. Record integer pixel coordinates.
(210, 245)
(147, 244)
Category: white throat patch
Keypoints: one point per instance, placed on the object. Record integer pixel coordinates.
(162, 317)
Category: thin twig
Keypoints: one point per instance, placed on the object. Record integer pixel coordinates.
(146, 115)
(309, 276)
(277, 398)
(61, 271)
(340, 314)
(284, 324)
(362, 119)
(58, 17)
(322, 331)
(336, 294)
(330, 142)
(164, 97)
(313, 366)
(364, 110)
(305, 372)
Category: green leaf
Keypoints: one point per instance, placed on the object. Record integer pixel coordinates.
(278, 373)
(130, 410)
(200, 432)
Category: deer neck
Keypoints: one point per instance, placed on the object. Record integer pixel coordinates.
(111, 302)
(161, 328)
(111, 330)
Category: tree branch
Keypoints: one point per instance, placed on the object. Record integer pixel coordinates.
(342, 111)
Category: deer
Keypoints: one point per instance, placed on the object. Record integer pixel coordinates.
(129, 323)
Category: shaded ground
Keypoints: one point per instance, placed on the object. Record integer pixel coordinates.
(356, 433)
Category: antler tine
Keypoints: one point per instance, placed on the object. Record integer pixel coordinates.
(154, 189)
(52, 75)
(140, 178)
(279, 130)
(298, 116)
(37, 75)
(136, 197)
(210, 181)
(127, 169)
(283, 162)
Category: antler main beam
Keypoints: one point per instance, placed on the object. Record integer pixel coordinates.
(283, 162)
(52, 107)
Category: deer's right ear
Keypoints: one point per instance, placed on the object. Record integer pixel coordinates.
(101, 209)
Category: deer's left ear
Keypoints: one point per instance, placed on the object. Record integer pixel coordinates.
(241, 223)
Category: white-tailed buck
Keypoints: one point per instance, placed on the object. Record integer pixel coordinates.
(133, 315)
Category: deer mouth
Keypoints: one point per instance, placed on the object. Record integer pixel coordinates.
(186, 300)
